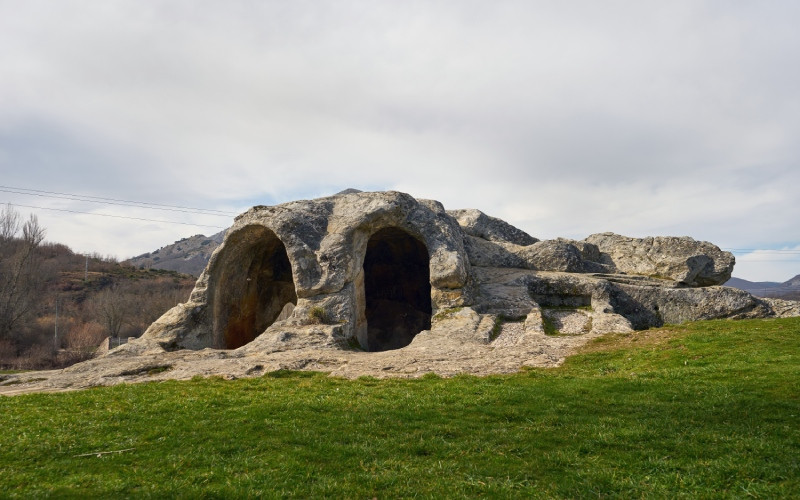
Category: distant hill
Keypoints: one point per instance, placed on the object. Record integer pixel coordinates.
(751, 286)
(186, 256)
(189, 255)
(787, 289)
(793, 283)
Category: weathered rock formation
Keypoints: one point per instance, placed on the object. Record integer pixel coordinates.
(377, 268)
(330, 283)
(478, 224)
(360, 261)
(689, 262)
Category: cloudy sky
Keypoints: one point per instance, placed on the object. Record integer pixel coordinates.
(565, 118)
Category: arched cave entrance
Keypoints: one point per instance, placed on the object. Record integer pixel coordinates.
(397, 290)
(255, 286)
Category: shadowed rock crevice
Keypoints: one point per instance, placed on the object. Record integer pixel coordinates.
(255, 286)
(397, 290)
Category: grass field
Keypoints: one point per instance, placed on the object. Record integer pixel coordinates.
(709, 409)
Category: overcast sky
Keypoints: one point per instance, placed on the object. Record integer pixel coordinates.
(565, 118)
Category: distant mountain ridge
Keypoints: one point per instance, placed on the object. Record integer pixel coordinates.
(188, 256)
(767, 288)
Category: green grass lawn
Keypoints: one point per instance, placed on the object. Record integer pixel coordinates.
(702, 410)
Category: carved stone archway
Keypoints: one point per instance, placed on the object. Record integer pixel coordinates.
(397, 290)
(254, 285)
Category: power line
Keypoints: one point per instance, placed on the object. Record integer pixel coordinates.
(114, 216)
(114, 201)
(110, 203)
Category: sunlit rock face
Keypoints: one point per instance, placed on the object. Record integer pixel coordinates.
(371, 266)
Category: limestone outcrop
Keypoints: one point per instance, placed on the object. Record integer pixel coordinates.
(478, 224)
(356, 260)
(388, 285)
(377, 269)
(682, 259)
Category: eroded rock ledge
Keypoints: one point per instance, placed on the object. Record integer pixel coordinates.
(384, 284)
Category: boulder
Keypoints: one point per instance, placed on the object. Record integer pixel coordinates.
(553, 255)
(478, 224)
(548, 255)
(783, 308)
(682, 259)
(484, 253)
(646, 302)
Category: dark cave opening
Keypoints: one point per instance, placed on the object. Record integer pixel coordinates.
(257, 285)
(397, 289)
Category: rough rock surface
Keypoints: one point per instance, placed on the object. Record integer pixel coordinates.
(478, 224)
(682, 259)
(553, 255)
(386, 285)
(784, 308)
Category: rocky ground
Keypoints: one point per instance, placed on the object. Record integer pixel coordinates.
(465, 342)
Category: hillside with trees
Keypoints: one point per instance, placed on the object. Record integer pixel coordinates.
(57, 307)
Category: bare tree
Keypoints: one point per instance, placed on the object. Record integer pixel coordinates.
(151, 301)
(9, 224)
(20, 279)
(111, 309)
(128, 308)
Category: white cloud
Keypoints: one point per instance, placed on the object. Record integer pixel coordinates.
(567, 118)
(769, 265)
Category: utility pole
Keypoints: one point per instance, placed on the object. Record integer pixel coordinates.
(55, 334)
(86, 270)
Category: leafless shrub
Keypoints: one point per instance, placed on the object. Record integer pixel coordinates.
(81, 342)
(111, 309)
(8, 353)
(37, 357)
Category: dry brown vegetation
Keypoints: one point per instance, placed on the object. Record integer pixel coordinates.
(53, 312)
